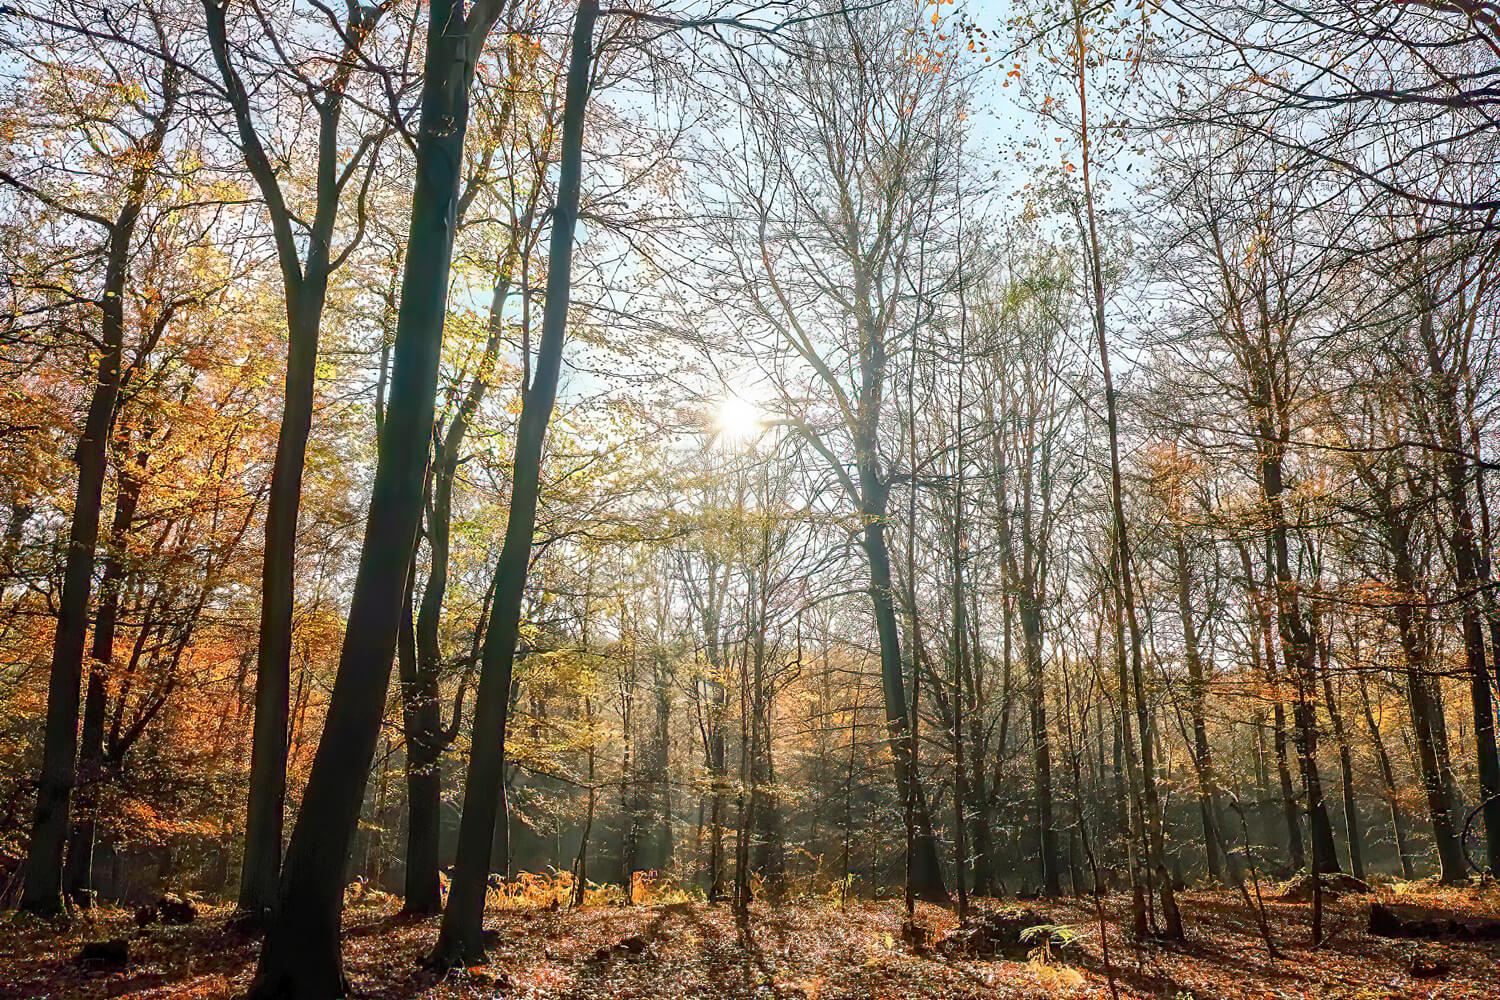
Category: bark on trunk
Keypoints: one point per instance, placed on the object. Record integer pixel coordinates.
(1221, 862)
(1031, 635)
(461, 938)
(78, 874)
(1426, 716)
(300, 959)
(1463, 543)
(926, 872)
(1399, 831)
(1346, 765)
(424, 785)
(51, 820)
(305, 268)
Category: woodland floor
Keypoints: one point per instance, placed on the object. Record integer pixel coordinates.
(799, 951)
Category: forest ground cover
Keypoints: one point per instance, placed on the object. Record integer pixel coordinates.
(794, 951)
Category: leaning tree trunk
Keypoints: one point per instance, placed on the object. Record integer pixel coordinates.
(51, 821)
(300, 959)
(461, 938)
(305, 291)
(78, 874)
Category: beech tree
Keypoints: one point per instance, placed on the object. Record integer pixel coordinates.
(126, 175)
(301, 954)
(307, 258)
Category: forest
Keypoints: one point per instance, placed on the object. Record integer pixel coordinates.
(771, 499)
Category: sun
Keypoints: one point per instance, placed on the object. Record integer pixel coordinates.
(738, 421)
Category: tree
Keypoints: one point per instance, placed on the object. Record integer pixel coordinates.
(524, 147)
(857, 125)
(144, 126)
(461, 939)
(307, 258)
(300, 957)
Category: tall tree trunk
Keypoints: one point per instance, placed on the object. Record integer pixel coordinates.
(960, 697)
(1127, 767)
(926, 872)
(660, 763)
(268, 751)
(78, 874)
(1041, 747)
(1399, 831)
(461, 939)
(1221, 861)
(718, 774)
(424, 784)
(1154, 819)
(305, 291)
(51, 821)
(1263, 655)
(426, 736)
(767, 842)
(1425, 715)
(1297, 644)
(715, 760)
(980, 811)
(300, 959)
(1465, 562)
(1443, 387)
(1441, 806)
(580, 860)
(1346, 760)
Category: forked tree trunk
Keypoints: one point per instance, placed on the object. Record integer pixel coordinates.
(52, 820)
(78, 873)
(427, 738)
(461, 937)
(300, 959)
(305, 291)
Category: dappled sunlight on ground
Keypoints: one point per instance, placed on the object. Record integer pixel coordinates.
(799, 951)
